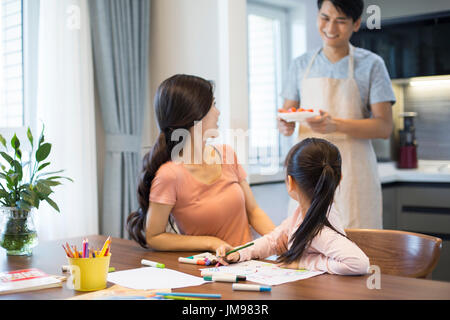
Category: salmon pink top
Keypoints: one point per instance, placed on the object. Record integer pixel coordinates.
(329, 251)
(200, 209)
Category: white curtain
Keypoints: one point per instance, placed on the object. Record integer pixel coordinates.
(66, 108)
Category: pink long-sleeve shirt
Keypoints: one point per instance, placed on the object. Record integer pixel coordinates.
(328, 251)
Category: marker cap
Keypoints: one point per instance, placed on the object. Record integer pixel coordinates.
(265, 288)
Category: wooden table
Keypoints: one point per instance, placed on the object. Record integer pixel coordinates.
(126, 254)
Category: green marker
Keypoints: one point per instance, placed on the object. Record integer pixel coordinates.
(152, 264)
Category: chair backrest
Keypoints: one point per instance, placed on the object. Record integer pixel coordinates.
(397, 252)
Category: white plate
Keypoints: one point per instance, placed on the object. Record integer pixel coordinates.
(297, 116)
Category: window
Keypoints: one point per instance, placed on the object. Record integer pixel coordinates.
(267, 50)
(11, 64)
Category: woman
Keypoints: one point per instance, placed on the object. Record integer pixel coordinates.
(210, 200)
(353, 89)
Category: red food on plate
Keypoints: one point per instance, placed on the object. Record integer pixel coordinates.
(292, 109)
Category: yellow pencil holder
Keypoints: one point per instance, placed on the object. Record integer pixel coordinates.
(89, 274)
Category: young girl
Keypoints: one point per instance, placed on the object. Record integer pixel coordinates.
(210, 200)
(313, 236)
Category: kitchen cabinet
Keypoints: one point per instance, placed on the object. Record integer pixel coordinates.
(410, 47)
(422, 208)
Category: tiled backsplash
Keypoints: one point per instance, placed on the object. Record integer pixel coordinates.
(432, 103)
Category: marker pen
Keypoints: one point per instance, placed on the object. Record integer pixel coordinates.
(250, 287)
(152, 264)
(206, 273)
(192, 261)
(221, 278)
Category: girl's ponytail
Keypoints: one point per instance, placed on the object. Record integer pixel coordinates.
(317, 171)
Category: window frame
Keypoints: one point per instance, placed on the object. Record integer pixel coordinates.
(281, 14)
(30, 31)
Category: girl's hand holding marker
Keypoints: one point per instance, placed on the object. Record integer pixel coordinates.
(226, 254)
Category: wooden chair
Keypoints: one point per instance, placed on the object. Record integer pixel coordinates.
(399, 253)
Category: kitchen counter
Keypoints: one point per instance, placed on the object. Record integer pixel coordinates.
(428, 171)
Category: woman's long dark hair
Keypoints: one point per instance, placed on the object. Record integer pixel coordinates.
(179, 102)
(315, 166)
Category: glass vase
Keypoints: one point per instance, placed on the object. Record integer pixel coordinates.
(17, 231)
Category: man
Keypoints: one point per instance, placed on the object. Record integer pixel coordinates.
(352, 89)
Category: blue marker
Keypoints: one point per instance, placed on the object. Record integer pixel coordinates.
(186, 294)
(251, 287)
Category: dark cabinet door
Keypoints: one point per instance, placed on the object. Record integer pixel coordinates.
(420, 47)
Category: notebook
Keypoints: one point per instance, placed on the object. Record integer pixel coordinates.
(26, 280)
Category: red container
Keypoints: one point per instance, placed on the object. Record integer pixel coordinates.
(407, 157)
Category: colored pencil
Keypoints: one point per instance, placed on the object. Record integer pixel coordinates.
(239, 248)
(102, 253)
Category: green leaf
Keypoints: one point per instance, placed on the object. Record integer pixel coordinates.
(13, 179)
(43, 152)
(7, 157)
(43, 189)
(58, 177)
(19, 154)
(18, 170)
(48, 173)
(2, 140)
(31, 197)
(50, 183)
(30, 137)
(42, 166)
(4, 194)
(52, 203)
(15, 143)
(41, 138)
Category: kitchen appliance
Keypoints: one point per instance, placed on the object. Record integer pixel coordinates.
(407, 158)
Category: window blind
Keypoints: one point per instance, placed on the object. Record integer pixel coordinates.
(11, 64)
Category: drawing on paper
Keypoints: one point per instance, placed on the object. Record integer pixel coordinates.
(264, 272)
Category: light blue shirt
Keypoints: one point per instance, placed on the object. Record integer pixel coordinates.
(370, 75)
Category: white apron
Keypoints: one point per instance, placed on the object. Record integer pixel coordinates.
(358, 197)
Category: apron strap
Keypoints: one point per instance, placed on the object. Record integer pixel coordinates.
(311, 63)
(351, 63)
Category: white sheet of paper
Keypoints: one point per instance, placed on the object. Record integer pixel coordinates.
(265, 273)
(153, 278)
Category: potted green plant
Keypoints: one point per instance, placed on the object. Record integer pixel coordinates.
(23, 185)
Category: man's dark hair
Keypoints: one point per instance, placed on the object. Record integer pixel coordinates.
(351, 8)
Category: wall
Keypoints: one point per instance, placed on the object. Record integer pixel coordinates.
(432, 104)
(206, 38)
(183, 40)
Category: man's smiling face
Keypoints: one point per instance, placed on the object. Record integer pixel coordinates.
(334, 26)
